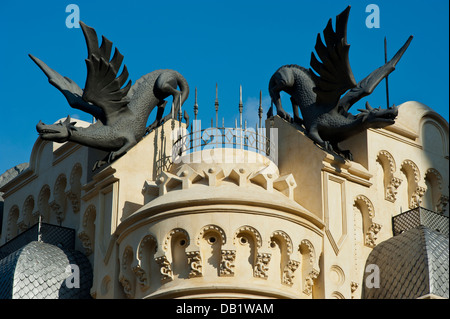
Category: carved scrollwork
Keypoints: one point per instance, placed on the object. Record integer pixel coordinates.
(74, 194)
(227, 263)
(195, 263)
(165, 269)
(309, 281)
(288, 272)
(261, 265)
(126, 275)
(87, 235)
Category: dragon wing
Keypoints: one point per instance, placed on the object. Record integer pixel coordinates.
(102, 87)
(369, 83)
(71, 91)
(335, 75)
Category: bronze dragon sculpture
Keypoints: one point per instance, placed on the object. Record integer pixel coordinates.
(121, 111)
(325, 113)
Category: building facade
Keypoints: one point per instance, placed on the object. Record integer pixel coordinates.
(235, 213)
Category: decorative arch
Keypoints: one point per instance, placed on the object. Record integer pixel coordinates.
(213, 230)
(174, 247)
(74, 194)
(370, 228)
(43, 203)
(244, 232)
(87, 235)
(13, 217)
(438, 201)
(145, 256)
(249, 236)
(415, 191)
(391, 182)
(126, 275)
(281, 240)
(59, 193)
(310, 265)
(26, 219)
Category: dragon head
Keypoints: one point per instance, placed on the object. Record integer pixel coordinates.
(376, 117)
(59, 132)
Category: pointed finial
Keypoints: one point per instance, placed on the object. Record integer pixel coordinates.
(195, 105)
(260, 110)
(216, 105)
(241, 106)
(39, 228)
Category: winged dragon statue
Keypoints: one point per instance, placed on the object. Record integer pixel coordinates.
(325, 113)
(121, 111)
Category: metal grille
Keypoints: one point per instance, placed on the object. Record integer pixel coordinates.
(420, 216)
(221, 137)
(52, 234)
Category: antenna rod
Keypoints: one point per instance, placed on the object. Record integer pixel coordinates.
(216, 104)
(240, 106)
(387, 83)
(195, 105)
(260, 110)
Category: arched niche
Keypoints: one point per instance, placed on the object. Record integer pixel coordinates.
(310, 266)
(253, 262)
(13, 217)
(146, 268)
(434, 198)
(282, 249)
(210, 241)
(26, 219)
(390, 181)
(74, 193)
(59, 203)
(126, 274)
(415, 191)
(87, 235)
(43, 203)
(369, 227)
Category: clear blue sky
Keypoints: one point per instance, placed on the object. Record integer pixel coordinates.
(229, 42)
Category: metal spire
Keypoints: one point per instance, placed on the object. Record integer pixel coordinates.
(216, 105)
(260, 110)
(195, 105)
(385, 61)
(241, 106)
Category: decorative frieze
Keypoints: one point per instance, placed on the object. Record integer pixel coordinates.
(227, 263)
(288, 272)
(165, 269)
(195, 264)
(261, 265)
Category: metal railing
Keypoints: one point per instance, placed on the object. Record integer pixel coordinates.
(222, 137)
(47, 233)
(420, 216)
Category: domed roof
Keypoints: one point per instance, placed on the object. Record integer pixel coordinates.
(410, 113)
(411, 265)
(39, 271)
